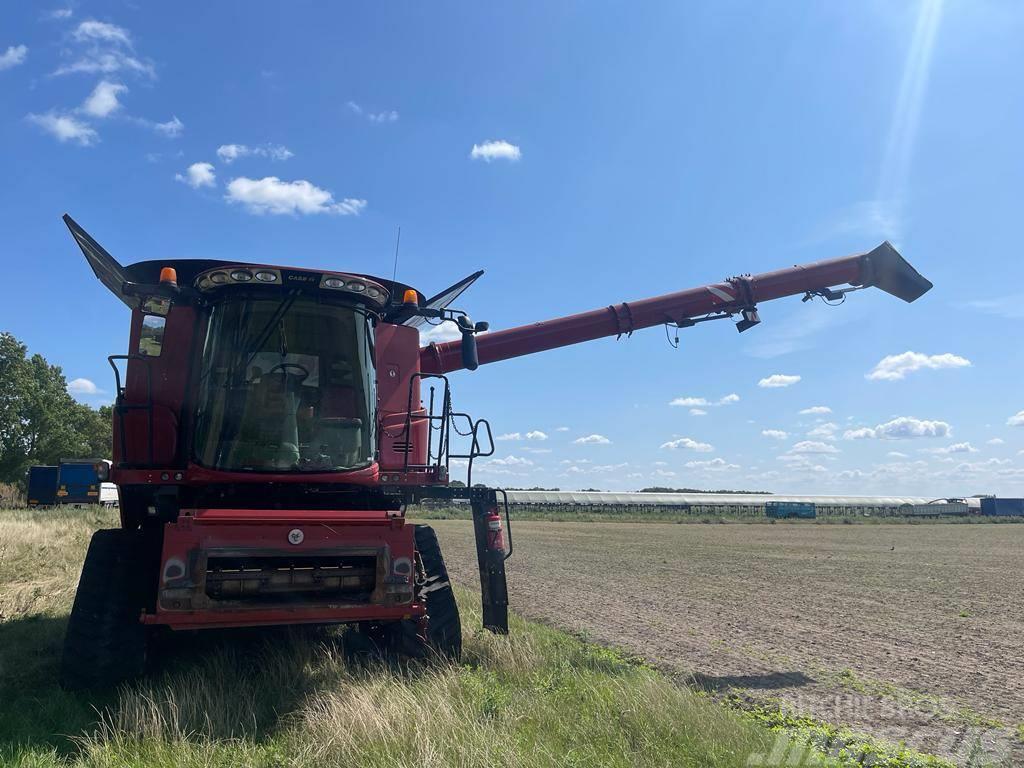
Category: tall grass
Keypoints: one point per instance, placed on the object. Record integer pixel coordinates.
(537, 697)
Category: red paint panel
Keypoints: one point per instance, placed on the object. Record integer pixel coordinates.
(238, 533)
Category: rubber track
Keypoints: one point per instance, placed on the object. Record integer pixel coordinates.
(444, 629)
(105, 643)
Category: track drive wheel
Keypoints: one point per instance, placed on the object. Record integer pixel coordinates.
(443, 629)
(105, 642)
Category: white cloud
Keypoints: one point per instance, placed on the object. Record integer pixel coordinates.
(954, 448)
(228, 153)
(103, 102)
(801, 463)
(776, 434)
(439, 333)
(536, 434)
(995, 441)
(826, 431)
(900, 428)
(696, 404)
(689, 443)
(778, 380)
(896, 367)
(104, 48)
(717, 465)
(561, 429)
(92, 30)
(106, 63)
(897, 455)
(58, 14)
(976, 467)
(592, 440)
(815, 410)
(278, 152)
(172, 129)
(231, 152)
(13, 56)
(510, 436)
(83, 387)
(495, 150)
(270, 195)
(384, 116)
(1017, 420)
(812, 447)
(687, 402)
(198, 175)
(65, 128)
(511, 461)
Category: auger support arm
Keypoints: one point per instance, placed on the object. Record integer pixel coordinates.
(882, 268)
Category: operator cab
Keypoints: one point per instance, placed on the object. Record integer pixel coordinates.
(286, 380)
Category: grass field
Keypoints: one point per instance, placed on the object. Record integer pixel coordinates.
(539, 697)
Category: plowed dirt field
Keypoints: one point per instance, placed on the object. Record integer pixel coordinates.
(910, 632)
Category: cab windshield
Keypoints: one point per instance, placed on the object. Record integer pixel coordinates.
(286, 384)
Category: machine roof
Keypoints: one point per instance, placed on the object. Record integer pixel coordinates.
(114, 275)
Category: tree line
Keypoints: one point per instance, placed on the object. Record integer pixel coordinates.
(40, 423)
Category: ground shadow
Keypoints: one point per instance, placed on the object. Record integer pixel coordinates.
(767, 681)
(35, 713)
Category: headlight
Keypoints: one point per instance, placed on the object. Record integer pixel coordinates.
(266, 277)
(241, 275)
(333, 282)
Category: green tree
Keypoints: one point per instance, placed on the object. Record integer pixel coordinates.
(40, 423)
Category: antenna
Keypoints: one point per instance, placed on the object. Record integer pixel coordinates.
(398, 242)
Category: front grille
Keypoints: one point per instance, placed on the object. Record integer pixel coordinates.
(278, 579)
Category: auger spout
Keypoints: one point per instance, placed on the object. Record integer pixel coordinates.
(882, 268)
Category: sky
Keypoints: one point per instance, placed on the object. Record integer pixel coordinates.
(582, 153)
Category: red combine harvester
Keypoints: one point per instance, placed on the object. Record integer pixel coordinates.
(272, 424)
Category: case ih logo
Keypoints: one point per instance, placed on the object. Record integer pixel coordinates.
(301, 277)
(295, 536)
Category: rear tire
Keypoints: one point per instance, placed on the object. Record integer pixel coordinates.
(106, 642)
(444, 629)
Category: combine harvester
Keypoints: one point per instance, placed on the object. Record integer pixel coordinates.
(270, 429)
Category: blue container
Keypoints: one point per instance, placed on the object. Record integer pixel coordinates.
(77, 482)
(1002, 507)
(42, 486)
(780, 510)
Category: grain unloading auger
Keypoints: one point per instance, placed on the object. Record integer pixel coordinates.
(882, 268)
(271, 427)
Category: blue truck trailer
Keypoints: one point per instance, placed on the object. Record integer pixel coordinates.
(77, 482)
(42, 486)
(781, 510)
(996, 507)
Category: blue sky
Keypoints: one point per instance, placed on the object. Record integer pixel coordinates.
(622, 150)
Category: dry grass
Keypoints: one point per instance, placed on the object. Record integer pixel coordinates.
(289, 698)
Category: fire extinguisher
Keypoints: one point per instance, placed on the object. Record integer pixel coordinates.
(495, 533)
